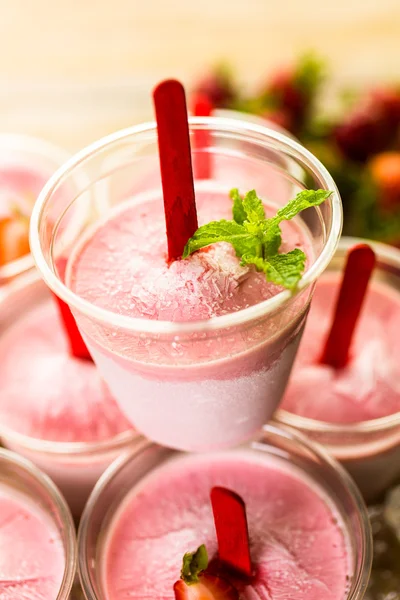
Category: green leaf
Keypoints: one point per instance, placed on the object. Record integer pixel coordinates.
(239, 214)
(271, 238)
(193, 564)
(282, 269)
(253, 207)
(256, 239)
(303, 200)
(222, 231)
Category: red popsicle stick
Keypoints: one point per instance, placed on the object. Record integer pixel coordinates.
(359, 267)
(77, 345)
(232, 532)
(202, 107)
(176, 165)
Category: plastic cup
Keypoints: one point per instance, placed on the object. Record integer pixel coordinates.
(73, 466)
(235, 375)
(21, 475)
(285, 446)
(19, 155)
(369, 450)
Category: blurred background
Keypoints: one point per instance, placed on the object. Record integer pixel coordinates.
(74, 71)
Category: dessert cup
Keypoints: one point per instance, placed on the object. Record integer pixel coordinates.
(130, 478)
(204, 384)
(33, 565)
(370, 449)
(26, 163)
(74, 466)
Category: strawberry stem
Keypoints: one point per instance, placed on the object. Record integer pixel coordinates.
(359, 267)
(176, 165)
(231, 528)
(77, 346)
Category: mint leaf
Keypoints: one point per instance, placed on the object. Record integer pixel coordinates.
(222, 231)
(271, 237)
(256, 239)
(238, 211)
(303, 200)
(253, 207)
(287, 269)
(193, 564)
(281, 269)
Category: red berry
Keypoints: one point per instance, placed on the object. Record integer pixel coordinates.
(218, 87)
(209, 587)
(388, 100)
(365, 132)
(385, 171)
(288, 95)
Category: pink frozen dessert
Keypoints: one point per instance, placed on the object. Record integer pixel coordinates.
(298, 542)
(54, 408)
(222, 385)
(354, 410)
(368, 387)
(32, 558)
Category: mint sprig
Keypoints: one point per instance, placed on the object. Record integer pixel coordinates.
(194, 563)
(256, 238)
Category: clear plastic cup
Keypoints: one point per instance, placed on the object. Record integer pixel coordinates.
(233, 379)
(21, 475)
(280, 443)
(369, 450)
(73, 466)
(26, 154)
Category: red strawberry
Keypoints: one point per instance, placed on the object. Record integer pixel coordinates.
(14, 238)
(219, 88)
(388, 99)
(288, 95)
(208, 587)
(366, 131)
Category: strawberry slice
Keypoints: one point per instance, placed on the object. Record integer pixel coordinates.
(14, 239)
(208, 587)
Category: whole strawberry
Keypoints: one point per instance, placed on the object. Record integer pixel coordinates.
(388, 99)
(219, 87)
(371, 127)
(364, 132)
(196, 584)
(290, 93)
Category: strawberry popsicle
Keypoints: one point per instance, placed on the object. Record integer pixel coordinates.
(353, 410)
(37, 538)
(196, 350)
(54, 408)
(121, 266)
(301, 545)
(32, 556)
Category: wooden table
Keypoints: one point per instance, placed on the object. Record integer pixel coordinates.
(74, 71)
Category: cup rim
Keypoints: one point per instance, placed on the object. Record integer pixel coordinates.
(362, 576)
(69, 449)
(38, 148)
(63, 511)
(293, 148)
(392, 256)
